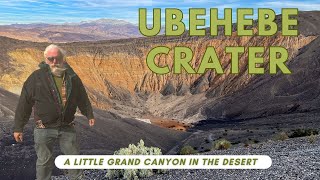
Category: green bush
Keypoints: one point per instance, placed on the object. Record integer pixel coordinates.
(303, 132)
(281, 136)
(221, 144)
(135, 174)
(312, 138)
(186, 150)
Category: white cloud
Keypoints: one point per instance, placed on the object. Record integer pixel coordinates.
(305, 6)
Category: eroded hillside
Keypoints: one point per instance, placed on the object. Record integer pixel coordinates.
(118, 79)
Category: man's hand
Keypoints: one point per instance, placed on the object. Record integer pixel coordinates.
(91, 122)
(18, 136)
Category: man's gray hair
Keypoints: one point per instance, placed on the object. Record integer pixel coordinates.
(53, 46)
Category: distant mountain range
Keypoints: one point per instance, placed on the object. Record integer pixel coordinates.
(95, 30)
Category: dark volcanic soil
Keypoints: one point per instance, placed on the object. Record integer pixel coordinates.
(250, 131)
(110, 133)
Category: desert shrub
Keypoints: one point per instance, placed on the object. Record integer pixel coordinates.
(135, 174)
(186, 150)
(248, 142)
(221, 144)
(312, 138)
(281, 136)
(303, 132)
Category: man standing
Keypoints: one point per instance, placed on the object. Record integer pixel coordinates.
(53, 92)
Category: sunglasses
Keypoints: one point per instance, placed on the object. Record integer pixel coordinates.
(51, 58)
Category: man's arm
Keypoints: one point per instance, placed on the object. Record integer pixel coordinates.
(25, 105)
(84, 102)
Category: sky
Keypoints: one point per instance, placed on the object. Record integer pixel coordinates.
(62, 11)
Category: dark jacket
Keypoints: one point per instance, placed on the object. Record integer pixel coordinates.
(40, 93)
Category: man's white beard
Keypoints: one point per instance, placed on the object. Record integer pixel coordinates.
(58, 70)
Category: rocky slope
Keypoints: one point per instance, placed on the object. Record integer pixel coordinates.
(291, 159)
(279, 94)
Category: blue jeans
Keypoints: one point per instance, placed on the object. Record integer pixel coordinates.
(44, 140)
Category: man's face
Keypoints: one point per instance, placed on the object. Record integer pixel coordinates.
(54, 57)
